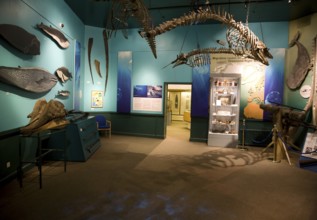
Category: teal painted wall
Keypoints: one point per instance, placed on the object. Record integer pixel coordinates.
(146, 70)
(17, 104)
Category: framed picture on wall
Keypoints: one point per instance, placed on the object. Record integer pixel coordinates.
(96, 99)
(310, 146)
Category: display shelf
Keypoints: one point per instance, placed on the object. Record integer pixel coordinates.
(42, 138)
(224, 110)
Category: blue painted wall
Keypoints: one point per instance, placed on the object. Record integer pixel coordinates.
(17, 104)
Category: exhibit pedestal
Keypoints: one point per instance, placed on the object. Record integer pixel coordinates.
(83, 140)
(223, 140)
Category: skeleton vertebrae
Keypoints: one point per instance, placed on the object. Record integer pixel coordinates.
(199, 57)
(237, 32)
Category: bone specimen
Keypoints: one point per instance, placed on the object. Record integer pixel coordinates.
(313, 95)
(19, 38)
(122, 10)
(45, 116)
(55, 34)
(199, 57)
(236, 31)
(97, 65)
(90, 43)
(105, 40)
(63, 74)
(302, 64)
(29, 79)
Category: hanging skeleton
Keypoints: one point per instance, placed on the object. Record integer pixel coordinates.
(200, 57)
(239, 36)
(122, 10)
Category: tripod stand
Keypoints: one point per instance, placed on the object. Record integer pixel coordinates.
(278, 147)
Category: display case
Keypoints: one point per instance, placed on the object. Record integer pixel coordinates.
(224, 110)
(83, 140)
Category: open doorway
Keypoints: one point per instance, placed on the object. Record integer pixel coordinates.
(178, 107)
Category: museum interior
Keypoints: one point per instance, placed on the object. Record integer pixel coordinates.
(170, 109)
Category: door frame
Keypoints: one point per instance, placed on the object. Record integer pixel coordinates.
(166, 84)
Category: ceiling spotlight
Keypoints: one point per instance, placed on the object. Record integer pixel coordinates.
(289, 1)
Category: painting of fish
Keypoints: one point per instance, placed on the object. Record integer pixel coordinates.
(30, 79)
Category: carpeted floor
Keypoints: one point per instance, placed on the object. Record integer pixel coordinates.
(145, 178)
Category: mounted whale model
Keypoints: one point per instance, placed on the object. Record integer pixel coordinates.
(55, 34)
(302, 65)
(29, 79)
(19, 38)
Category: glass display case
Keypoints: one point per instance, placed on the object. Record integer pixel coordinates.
(224, 110)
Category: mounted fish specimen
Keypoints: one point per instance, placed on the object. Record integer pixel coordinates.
(63, 74)
(55, 34)
(236, 32)
(29, 79)
(97, 65)
(45, 116)
(90, 43)
(302, 64)
(64, 93)
(19, 38)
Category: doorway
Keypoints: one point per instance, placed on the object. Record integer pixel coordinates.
(178, 107)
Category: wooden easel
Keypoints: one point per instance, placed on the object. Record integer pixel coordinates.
(278, 147)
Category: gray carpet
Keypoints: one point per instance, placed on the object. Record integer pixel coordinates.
(145, 178)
